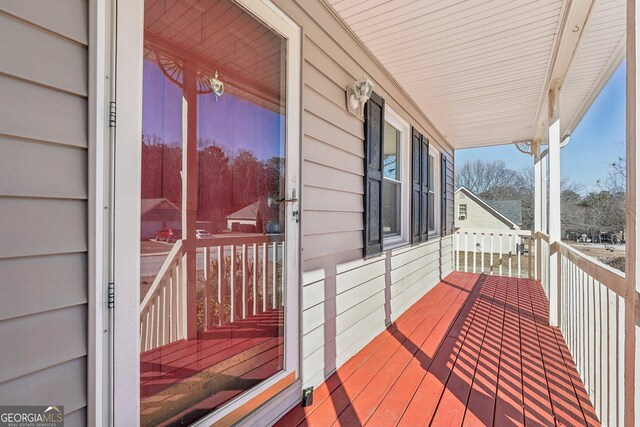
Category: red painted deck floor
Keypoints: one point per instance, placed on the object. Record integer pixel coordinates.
(476, 350)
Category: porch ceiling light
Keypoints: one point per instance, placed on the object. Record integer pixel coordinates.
(359, 94)
(217, 86)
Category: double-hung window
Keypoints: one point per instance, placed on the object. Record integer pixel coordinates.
(395, 170)
(402, 198)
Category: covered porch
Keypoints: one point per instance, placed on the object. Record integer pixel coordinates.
(550, 338)
(476, 350)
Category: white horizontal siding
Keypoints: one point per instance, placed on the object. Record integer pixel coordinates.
(43, 204)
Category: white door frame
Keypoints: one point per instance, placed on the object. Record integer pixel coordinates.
(126, 381)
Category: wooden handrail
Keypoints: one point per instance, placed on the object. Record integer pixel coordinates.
(607, 276)
(494, 231)
(541, 235)
(239, 240)
(175, 250)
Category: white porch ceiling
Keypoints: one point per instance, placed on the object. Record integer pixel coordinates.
(481, 69)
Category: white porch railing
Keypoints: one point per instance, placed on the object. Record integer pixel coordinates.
(543, 253)
(236, 277)
(592, 313)
(498, 252)
(164, 307)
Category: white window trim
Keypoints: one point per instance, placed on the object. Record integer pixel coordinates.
(396, 120)
(437, 195)
(466, 210)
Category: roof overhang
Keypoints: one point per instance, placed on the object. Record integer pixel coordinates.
(482, 71)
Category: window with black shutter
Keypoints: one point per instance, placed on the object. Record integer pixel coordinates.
(373, 146)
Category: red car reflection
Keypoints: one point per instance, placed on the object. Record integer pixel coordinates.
(168, 235)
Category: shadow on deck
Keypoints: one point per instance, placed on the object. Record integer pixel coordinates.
(476, 350)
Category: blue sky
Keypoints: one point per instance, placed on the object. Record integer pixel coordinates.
(598, 140)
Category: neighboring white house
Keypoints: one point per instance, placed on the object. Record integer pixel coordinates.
(472, 213)
(158, 213)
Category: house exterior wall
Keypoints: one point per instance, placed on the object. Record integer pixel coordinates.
(477, 215)
(346, 300)
(43, 205)
(479, 218)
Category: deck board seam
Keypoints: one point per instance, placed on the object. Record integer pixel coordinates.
(456, 293)
(415, 311)
(460, 291)
(477, 360)
(455, 321)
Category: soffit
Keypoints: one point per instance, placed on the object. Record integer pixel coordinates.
(481, 69)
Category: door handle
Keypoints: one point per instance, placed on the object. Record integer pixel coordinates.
(285, 200)
(271, 201)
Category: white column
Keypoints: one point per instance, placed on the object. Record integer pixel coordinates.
(554, 204)
(544, 205)
(537, 197)
(632, 329)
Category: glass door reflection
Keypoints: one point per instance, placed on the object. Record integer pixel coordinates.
(212, 244)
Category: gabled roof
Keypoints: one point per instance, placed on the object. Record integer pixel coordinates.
(148, 205)
(512, 209)
(491, 209)
(249, 212)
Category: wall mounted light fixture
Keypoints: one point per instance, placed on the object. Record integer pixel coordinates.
(358, 94)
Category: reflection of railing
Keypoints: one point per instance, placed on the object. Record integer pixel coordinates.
(592, 313)
(236, 277)
(499, 252)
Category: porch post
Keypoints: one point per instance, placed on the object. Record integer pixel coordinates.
(632, 313)
(190, 197)
(554, 204)
(537, 214)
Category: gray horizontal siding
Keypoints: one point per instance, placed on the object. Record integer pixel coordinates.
(346, 299)
(66, 63)
(62, 384)
(43, 204)
(25, 290)
(64, 18)
(23, 166)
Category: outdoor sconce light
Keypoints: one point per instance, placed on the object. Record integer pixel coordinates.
(358, 95)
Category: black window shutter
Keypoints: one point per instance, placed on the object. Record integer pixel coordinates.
(416, 179)
(373, 152)
(424, 190)
(419, 187)
(443, 184)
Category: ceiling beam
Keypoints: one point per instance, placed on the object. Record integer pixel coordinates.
(574, 18)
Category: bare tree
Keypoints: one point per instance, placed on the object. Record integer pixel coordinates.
(616, 180)
(485, 176)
